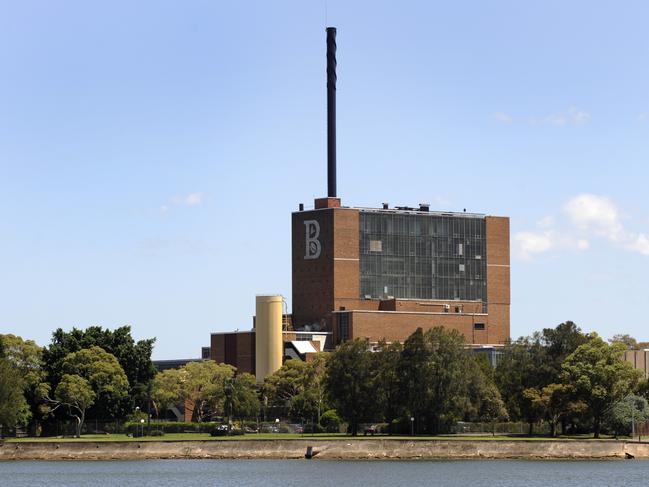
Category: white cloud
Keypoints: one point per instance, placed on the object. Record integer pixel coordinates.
(573, 116)
(194, 199)
(590, 212)
(583, 244)
(577, 116)
(529, 243)
(546, 222)
(503, 117)
(640, 244)
(586, 216)
(191, 199)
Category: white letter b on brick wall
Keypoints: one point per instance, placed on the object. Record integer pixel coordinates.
(312, 244)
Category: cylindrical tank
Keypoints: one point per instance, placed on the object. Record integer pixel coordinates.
(269, 347)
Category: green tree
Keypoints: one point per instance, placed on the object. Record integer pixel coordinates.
(312, 401)
(600, 377)
(102, 371)
(241, 399)
(298, 389)
(524, 365)
(559, 342)
(628, 341)
(89, 375)
(330, 421)
(200, 385)
(76, 394)
(166, 390)
(282, 386)
(350, 382)
(203, 384)
(491, 407)
(413, 370)
(436, 372)
(554, 402)
(13, 406)
(25, 356)
(625, 414)
(134, 357)
(387, 393)
(485, 399)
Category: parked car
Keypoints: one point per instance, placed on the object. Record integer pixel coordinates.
(370, 429)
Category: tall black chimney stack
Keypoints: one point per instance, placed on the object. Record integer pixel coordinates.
(331, 112)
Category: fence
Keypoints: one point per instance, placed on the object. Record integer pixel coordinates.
(503, 428)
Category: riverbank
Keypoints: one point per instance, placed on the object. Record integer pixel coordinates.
(348, 449)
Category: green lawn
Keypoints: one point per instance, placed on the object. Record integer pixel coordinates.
(293, 436)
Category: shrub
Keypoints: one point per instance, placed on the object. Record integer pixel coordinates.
(170, 427)
(330, 421)
(400, 426)
(313, 428)
(220, 431)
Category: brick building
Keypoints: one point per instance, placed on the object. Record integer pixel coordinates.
(382, 273)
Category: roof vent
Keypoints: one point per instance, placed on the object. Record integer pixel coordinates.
(424, 206)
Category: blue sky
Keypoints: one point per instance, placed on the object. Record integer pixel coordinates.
(151, 152)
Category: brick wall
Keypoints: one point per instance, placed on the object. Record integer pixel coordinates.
(332, 283)
(397, 326)
(498, 283)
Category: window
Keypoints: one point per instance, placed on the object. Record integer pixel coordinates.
(478, 326)
(422, 256)
(343, 326)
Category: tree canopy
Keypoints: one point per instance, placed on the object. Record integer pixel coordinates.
(298, 389)
(201, 384)
(13, 406)
(134, 358)
(599, 376)
(350, 380)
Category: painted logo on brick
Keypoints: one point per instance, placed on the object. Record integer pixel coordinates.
(313, 245)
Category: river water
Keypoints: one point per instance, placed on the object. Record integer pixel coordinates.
(329, 473)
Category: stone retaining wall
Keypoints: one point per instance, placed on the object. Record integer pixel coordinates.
(329, 449)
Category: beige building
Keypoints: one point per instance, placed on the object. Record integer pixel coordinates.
(639, 359)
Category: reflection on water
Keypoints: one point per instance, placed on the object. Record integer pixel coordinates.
(178, 473)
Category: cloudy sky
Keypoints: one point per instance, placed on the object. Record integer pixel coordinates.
(151, 152)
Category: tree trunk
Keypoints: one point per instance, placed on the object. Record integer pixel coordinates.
(553, 429)
(530, 432)
(596, 426)
(79, 423)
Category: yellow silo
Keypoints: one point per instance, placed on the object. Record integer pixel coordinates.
(268, 336)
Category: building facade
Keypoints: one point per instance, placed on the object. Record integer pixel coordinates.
(380, 273)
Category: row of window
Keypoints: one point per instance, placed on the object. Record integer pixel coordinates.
(425, 256)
